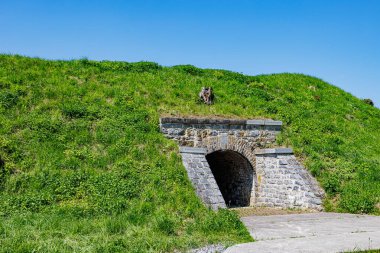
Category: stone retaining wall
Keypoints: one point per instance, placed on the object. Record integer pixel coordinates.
(201, 176)
(284, 182)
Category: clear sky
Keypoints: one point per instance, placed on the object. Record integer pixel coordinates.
(336, 40)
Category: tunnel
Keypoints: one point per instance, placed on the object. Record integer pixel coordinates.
(234, 175)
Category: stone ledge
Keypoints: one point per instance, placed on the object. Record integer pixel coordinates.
(263, 122)
(191, 150)
(272, 123)
(255, 122)
(269, 151)
(207, 121)
(201, 121)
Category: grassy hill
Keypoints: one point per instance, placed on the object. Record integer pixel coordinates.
(84, 167)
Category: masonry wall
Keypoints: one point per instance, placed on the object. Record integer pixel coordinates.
(217, 134)
(201, 177)
(284, 182)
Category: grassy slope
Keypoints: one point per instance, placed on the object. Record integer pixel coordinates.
(86, 168)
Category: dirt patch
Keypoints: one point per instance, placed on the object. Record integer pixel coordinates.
(265, 211)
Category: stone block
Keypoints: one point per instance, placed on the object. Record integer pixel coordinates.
(192, 150)
(272, 123)
(255, 122)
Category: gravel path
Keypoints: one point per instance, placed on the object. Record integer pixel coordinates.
(214, 248)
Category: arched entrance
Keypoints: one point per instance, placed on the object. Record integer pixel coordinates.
(234, 175)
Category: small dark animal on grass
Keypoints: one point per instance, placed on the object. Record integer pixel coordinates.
(206, 95)
(369, 102)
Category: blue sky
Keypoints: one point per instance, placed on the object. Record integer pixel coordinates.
(336, 40)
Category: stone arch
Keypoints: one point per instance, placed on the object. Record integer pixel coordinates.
(229, 142)
(278, 178)
(244, 147)
(234, 176)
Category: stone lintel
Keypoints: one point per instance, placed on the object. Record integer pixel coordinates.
(233, 123)
(269, 151)
(202, 121)
(272, 123)
(258, 122)
(192, 150)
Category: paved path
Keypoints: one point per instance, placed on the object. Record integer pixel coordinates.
(312, 232)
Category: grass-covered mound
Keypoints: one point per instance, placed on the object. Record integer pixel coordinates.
(84, 167)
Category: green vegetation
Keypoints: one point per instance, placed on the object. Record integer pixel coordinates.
(84, 167)
(366, 251)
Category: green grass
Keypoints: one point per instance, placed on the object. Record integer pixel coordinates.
(365, 251)
(85, 168)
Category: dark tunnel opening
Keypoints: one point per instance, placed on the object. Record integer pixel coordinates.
(234, 175)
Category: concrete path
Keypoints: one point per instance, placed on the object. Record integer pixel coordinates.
(312, 232)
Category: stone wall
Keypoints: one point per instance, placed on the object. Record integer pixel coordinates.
(217, 134)
(284, 182)
(242, 166)
(201, 176)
